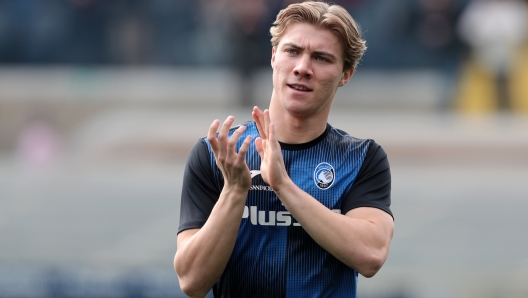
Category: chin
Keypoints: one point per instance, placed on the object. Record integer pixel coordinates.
(299, 110)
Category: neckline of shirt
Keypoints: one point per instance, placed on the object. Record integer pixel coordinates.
(293, 147)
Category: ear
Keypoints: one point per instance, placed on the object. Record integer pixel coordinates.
(347, 75)
(272, 56)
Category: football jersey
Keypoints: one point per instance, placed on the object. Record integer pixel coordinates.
(273, 255)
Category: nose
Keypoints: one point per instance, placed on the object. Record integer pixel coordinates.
(303, 68)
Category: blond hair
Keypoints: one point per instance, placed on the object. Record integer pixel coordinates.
(327, 16)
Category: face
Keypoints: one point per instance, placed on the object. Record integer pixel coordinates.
(307, 70)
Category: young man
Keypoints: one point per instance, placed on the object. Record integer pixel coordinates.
(304, 208)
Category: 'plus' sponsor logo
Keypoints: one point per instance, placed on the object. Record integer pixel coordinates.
(271, 218)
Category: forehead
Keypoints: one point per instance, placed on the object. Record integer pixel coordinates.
(312, 38)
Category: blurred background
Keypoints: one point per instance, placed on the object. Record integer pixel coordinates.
(101, 101)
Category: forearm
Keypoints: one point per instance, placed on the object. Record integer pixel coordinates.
(359, 243)
(201, 259)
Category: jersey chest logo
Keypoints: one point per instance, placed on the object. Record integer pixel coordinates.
(324, 175)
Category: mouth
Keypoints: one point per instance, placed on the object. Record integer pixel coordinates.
(299, 87)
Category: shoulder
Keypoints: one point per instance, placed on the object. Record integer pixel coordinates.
(343, 135)
(372, 186)
(341, 138)
(372, 156)
(373, 148)
(376, 157)
(200, 157)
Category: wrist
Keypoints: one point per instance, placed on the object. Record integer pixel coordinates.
(236, 190)
(284, 187)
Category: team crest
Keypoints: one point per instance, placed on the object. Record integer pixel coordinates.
(324, 175)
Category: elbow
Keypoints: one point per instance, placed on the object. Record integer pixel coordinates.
(191, 285)
(371, 265)
(369, 272)
(192, 289)
(176, 265)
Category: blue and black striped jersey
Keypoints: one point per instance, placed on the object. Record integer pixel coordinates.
(273, 255)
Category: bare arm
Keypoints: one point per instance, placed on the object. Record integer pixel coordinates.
(360, 238)
(203, 253)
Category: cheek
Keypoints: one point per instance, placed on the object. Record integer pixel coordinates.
(330, 85)
(278, 76)
(275, 79)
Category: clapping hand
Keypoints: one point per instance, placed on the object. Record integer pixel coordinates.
(232, 164)
(272, 166)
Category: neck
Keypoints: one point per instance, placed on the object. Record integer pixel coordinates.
(296, 129)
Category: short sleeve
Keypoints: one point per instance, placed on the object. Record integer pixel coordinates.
(199, 190)
(372, 187)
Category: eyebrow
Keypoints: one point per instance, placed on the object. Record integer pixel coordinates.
(322, 53)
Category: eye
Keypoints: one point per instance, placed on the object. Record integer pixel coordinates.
(322, 59)
(291, 51)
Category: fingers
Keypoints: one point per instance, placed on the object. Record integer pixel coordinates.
(274, 143)
(224, 147)
(231, 163)
(272, 132)
(244, 148)
(258, 116)
(263, 121)
(267, 121)
(222, 137)
(211, 136)
(272, 139)
(233, 140)
(260, 147)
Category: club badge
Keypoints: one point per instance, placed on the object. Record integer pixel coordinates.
(324, 175)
